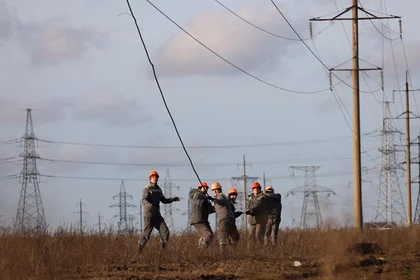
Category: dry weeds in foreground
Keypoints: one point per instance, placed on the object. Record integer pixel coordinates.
(69, 255)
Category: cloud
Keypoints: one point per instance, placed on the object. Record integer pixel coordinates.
(49, 42)
(53, 41)
(13, 110)
(112, 109)
(241, 43)
(6, 21)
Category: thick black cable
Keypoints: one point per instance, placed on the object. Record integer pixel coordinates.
(160, 89)
(235, 66)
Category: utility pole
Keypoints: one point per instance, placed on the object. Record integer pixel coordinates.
(30, 213)
(99, 221)
(245, 225)
(310, 190)
(417, 211)
(245, 179)
(81, 212)
(264, 180)
(123, 205)
(408, 149)
(357, 164)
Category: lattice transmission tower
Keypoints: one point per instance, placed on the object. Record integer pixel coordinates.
(389, 204)
(30, 213)
(124, 221)
(169, 208)
(311, 213)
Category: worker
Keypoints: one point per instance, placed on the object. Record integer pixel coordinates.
(232, 195)
(274, 208)
(225, 217)
(257, 209)
(199, 217)
(151, 197)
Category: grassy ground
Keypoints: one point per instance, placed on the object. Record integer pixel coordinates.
(65, 255)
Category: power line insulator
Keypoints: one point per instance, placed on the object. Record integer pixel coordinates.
(330, 78)
(400, 22)
(310, 30)
(382, 79)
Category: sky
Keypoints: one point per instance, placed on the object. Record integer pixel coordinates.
(82, 69)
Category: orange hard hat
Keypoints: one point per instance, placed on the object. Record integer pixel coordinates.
(232, 191)
(215, 186)
(203, 184)
(153, 173)
(256, 185)
(269, 189)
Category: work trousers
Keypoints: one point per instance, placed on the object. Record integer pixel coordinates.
(157, 223)
(256, 234)
(272, 230)
(227, 229)
(206, 233)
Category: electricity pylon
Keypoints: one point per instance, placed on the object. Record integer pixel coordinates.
(30, 213)
(123, 223)
(310, 190)
(389, 204)
(169, 208)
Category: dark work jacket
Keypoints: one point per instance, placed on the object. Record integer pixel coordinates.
(200, 207)
(151, 197)
(274, 206)
(232, 205)
(257, 205)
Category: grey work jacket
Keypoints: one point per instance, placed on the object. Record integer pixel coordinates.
(222, 208)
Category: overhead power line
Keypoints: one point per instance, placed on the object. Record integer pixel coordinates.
(237, 67)
(270, 144)
(312, 52)
(264, 30)
(219, 164)
(330, 174)
(160, 90)
(284, 143)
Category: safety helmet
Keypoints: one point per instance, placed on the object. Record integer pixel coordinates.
(269, 189)
(153, 173)
(232, 191)
(215, 186)
(256, 185)
(203, 184)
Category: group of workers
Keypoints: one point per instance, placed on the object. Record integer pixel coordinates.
(264, 211)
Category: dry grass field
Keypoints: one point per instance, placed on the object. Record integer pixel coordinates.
(322, 254)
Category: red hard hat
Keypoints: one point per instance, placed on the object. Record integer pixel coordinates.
(232, 191)
(153, 173)
(256, 185)
(203, 184)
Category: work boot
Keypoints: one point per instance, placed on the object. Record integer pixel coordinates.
(140, 248)
(163, 245)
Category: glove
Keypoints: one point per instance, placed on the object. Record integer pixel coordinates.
(175, 198)
(248, 212)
